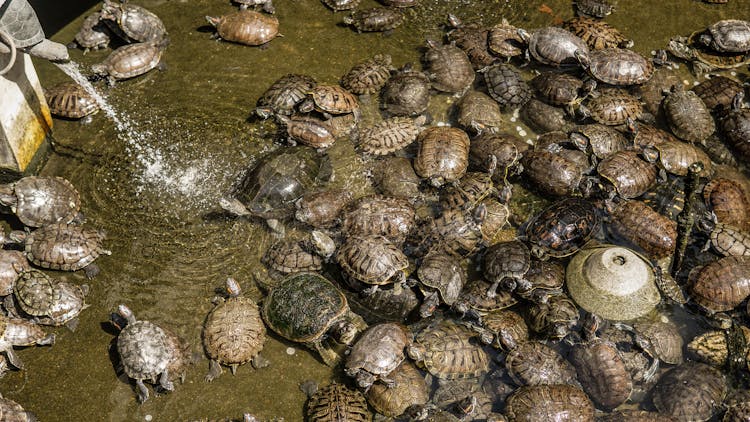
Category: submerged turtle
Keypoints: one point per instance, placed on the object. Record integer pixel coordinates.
(335, 402)
(233, 333)
(306, 308)
(147, 352)
(66, 247)
(39, 201)
(272, 187)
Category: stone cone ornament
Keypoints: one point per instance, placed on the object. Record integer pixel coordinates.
(613, 282)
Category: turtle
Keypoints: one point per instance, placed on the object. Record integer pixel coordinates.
(270, 189)
(727, 36)
(131, 60)
(616, 66)
(443, 154)
(448, 67)
(39, 201)
(561, 89)
(702, 58)
(372, 260)
(687, 115)
(441, 278)
(503, 40)
(61, 246)
(12, 264)
(93, 34)
(594, 8)
(335, 402)
(147, 352)
(597, 34)
(307, 308)
(472, 39)
(506, 86)
(445, 349)
(14, 412)
(288, 256)
(549, 402)
(132, 22)
(71, 101)
(407, 92)
(536, 363)
(612, 107)
(390, 135)
(284, 94)
(233, 333)
(393, 218)
(322, 209)
(375, 19)
(46, 300)
(377, 353)
(409, 390)
(246, 27)
(339, 5)
(690, 391)
(478, 113)
(562, 228)
(474, 303)
(265, 5)
(21, 332)
(329, 100)
(507, 260)
(554, 46)
(369, 76)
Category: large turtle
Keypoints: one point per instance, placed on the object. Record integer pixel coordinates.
(147, 352)
(272, 187)
(38, 201)
(306, 308)
(233, 333)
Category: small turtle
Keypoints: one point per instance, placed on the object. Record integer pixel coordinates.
(597, 34)
(94, 34)
(470, 190)
(504, 329)
(627, 174)
(726, 199)
(270, 189)
(736, 128)
(727, 36)
(612, 107)
(39, 201)
(266, 5)
(594, 8)
(653, 233)
(554, 46)
(562, 228)
(409, 390)
(546, 279)
(71, 101)
(602, 372)
(457, 231)
(284, 94)
(376, 19)
(339, 5)
(407, 92)
(676, 157)
(504, 40)
(718, 92)
(12, 264)
(329, 100)
(554, 319)
(337, 402)
(368, 77)
(549, 402)
(472, 39)
(13, 412)
(506, 86)
(246, 27)
(377, 353)
(21, 332)
(66, 247)
(478, 113)
(446, 351)
(288, 256)
(474, 303)
(441, 279)
(448, 67)
(306, 308)
(721, 285)
(704, 59)
(372, 260)
(307, 130)
(443, 154)
(390, 135)
(691, 391)
(132, 22)
(131, 60)
(233, 333)
(322, 209)
(147, 352)
(598, 140)
(561, 89)
(617, 66)
(47, 301)
(393, 218)
(542, 117)
(503, 151)
(535, 363)
(507, 263)
(687, 115)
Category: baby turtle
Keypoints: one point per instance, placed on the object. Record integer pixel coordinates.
(561, 89)
(474, 303)
(636, 222)
(407, 93)
(504, 40)
(132, 22)
(554, 46)
(593, 8)
(503, 329)
(409, 389)
(47, 301)
(93, 34)
(602, 372)
(598, 140)
(687, 114)
(457, 231)
(597, 34)
(21, 332)
(246, 27)
(372, 260)
(446, 351)
(271, 188)
(71, 101)
(721, 285)
(307, 308)
(39, 201)
(626, 174)
(478, 113)
(330, 99)
(390, 135)
(736, 128)
(376, 19)
(727, 36)
(131, 60)
(507, 262)
(66, 247)
(322, 209)
(472, 39)
(233, 333)
(691, 391)
(704, 59)
(612, 107)
(617, 66)
(147, 352)
(549, 402)
(448, 67)
(441, 279)
(377, 353)
(284, 94)
(718, 92)
(535, 363)
(393, 218)
(368, 77)
(562, 228)
(506, 86)
(337, 402)
(443, 154)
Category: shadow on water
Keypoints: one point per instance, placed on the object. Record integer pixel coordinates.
(156, 193)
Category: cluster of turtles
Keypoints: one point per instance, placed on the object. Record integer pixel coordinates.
(55, 238)
(438, 296)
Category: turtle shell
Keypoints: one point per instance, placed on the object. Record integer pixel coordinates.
(563, 228)
(290, 256)
(393, 218)
(556, 46)
(66, 247)
(131, 60)
(337, 402)
(379, 350)
(445, 350)
(234, 332)
(334, 99)
(368, 77)
(57, 302)
(371, 259)
(442, 272)
(409, 389)
(45, 200)
(144, 351)
(13, 412)
(70, 100)
(619, 66)
(474, 296)
(303, 306)
(506, 259)
(272, 187)
(12, 264)
(286, 92)
(246, 27)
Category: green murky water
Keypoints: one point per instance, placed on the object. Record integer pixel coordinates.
(157, 199)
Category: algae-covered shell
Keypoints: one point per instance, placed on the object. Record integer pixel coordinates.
(612, 282)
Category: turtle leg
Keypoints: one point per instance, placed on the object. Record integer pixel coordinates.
(214, 370)
(142, 391)
(259, 361)
(91, 270)
(277, 228)
(429, 304)
(492, 291)
(47, 341)
(329, 356)
(164, 381)
(13, 358)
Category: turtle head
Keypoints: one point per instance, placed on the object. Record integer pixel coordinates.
(580, 141)
(348, 20)
(99, 69)
(416, 352)
(454, 21)
(365, 380)
(704, 39)
(111, 11)
(707, 222)
(126, 313)
(680, 47)
(15, 236)
(583, 58)
(8, 195)
(264, 112)
(307, 105)
(322, 244)
(345, 332)
(524, 34)
(214, 21)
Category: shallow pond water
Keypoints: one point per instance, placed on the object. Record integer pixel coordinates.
(155, 190)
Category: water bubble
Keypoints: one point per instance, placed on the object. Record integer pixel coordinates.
(148, 417)
(291, 351)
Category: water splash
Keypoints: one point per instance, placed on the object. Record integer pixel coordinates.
(159, 172)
